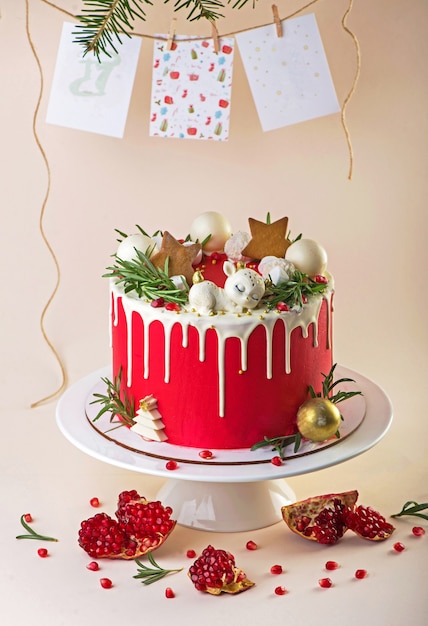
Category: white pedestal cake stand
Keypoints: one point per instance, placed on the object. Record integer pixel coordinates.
(236, 490)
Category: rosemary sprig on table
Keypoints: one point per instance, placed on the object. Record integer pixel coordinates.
(113, 403)
(148, 281)
(152, 574)
(32, 533)
(293, 292)
(413, 508)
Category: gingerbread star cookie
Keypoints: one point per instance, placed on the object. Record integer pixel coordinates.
(267, 239)
(180, 257)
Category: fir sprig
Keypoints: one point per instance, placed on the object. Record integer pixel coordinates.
(32, 533)
(293, 292)
(141, 276)
(103, 22)
(413, 508)
(149, 575)
(113, 403)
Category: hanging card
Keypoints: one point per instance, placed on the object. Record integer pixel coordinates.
(289, 76)
(90, 95)
(191, 89)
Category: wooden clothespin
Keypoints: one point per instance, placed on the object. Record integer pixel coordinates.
(171, 34)
(277, 20)
(214, 35)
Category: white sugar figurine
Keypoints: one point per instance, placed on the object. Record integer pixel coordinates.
(148, 420)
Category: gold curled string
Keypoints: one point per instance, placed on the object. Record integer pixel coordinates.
(153, 37)
(42, 213)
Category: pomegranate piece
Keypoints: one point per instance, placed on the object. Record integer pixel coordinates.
(368, 523)
(215, 571)
(321, 518)
(141, 527)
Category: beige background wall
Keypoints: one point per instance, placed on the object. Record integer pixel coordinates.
(374, 227)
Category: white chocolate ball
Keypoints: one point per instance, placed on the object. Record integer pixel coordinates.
(214, 224)
(307, 256)
(127, 247)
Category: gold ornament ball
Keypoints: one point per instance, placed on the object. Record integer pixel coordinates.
(318, 419)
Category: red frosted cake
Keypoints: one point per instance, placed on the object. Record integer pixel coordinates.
(216, 343)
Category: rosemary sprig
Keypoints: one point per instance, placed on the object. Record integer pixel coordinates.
(113, 403)
(141, 276)
(293, 292)
(413, 508)
(32, 533)
(329, 384)
(152, 574)
(279, 443)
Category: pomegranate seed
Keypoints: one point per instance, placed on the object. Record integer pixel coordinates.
(190, 554)
(28, 518)
(418, 531)
(171, 465)
(251, 545)
(94, 502)
(319, 278)
(281, 306)
(206, 454)
(93, 566)
(42, 552)
(399, 547)
(172, 306)
(106, 583)
(280, 591)
(169, 593)
(330, 565)
(276, 460)
(325, 583)
(360, 573)
(159, 302)
(276, 569)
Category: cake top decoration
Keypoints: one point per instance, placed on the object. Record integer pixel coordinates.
(267, 239)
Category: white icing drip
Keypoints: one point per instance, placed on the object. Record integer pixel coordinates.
(226, 326)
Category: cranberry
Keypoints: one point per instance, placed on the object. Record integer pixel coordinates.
(169, 593)
(280, 591)
(399, 547)
(28, 518)
(276, 569)
(251, 545)
(190, 554)
(206, 454)
(325, 583)
(42, 552)
(171, 465)
(94, 502)
(93, 566)
(360, 573)
(330, 565)
(276, 460)
(106, 583)
(418, 531)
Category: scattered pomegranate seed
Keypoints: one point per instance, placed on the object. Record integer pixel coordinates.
(276, 460)
(281, 306)
(399, 547)
(106, 583)
(169, 593)
(251, 545)
(418, 531)
(42, 552)
(206, 454)
(172, 306)
(360, 573)
(276, 569)
(190, 554)
(93, 566)
(325, 583)
(94, 502)
(28, 518)
(171, 465)
(159, 302)
(330, 565)
(280, 591)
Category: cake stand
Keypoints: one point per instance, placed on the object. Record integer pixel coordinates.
(236, 490)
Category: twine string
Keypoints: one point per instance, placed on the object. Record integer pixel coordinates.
(42, 215)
